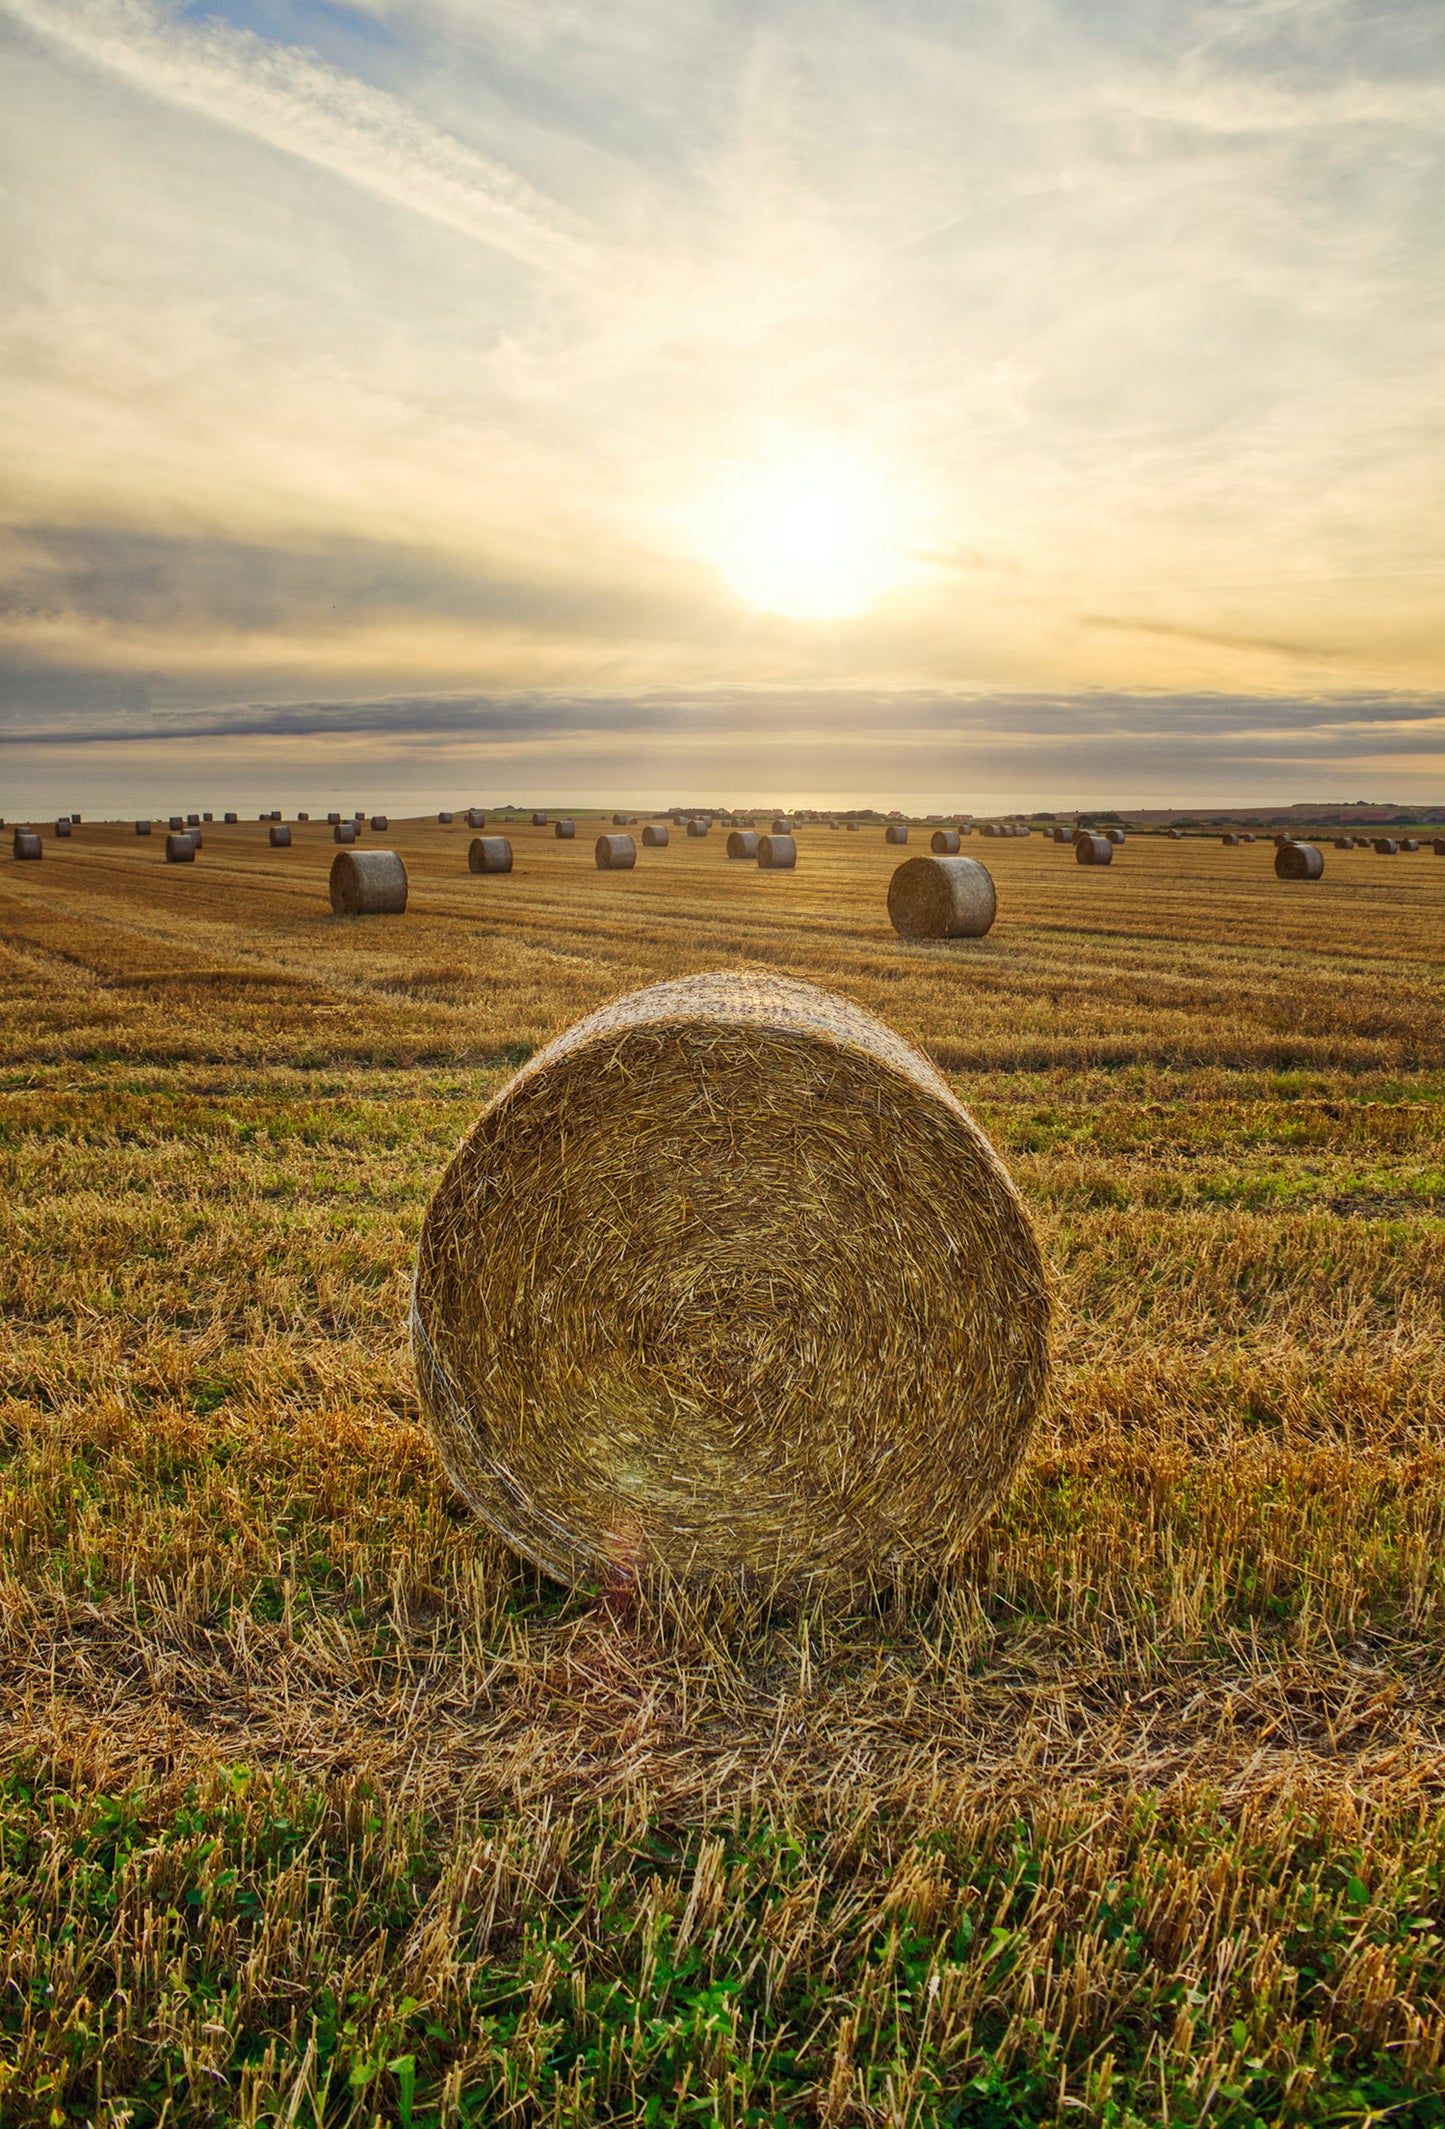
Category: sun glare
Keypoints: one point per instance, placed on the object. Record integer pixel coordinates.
(806, 534)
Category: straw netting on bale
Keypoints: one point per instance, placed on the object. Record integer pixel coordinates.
(941, 898)
(368, 883)
(821, 1368)
(1299, 861)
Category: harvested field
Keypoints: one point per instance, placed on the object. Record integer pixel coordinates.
(319, 1807)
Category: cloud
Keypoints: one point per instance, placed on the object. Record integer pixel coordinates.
(288, 98)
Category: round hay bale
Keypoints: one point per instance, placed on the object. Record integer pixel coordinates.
(1344, 842)
(196, 838)
(1438, 846)
(777, 853)
(565, 831)
(896, 834)
(743, 843)
(941, 898)
(489, 853)
(1281, 840)
(142, 827)
(619, 820)
(331, 819)
(696, 827)
(1250, 838)
(765, 1384)
(541, 820)
(176, 824)
(230, 820)
(654, 837)
(851, 827)
(367, 883)
(1409, 842)
(303, 816)
(1229, 840)
(344, 832)
(1386, 845)
(1299, 861)
(444, 820)
(1116, 837)
(62, 826)
(782, 827)
(204, 817)
(26, 844)
(1063, 835)
(379, 822)
(279, 836)
(615, 853)
(475, 817)
(944, 842)
(75, 820)
(1023, 828)
(180, 850)
(1174, 835)
(193, 820)
(1093, 850)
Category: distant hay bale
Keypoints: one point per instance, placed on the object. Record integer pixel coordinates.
(1093, 850)
(62, 826)
(619, 820)
(896, 834)
(654, 836)
(821, 1371)
(204, 817)
(75, 820)
(1344, 842)
(941, 898)
(180, 850)
(25, 843)
(444, 820)
(835, 824)
(1249, 838)
(176, 824)
(489, 853)
(303, 816)
(777, 853)
(782, 827)
(698, 827)
(1229, 840)
(742, 843)
(1175, 835)
(541, 820)
(379, 823)
(1023, 828)
(197, 839)
(142, 827)
(1116, 837)
(230, 820)
(475, 817)
(851, 827)
(1386, 845)
(1409, 842)
(344, 832)
(1438, 846)
(1299, 861)
(615, 853)
(367, 883)
(565, 831)
(193, 820)
(1063, 835)
(1281, 840)
(944, 842)
(332, 819)
(278, 836)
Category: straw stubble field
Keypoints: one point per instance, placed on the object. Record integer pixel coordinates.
(319, 1807)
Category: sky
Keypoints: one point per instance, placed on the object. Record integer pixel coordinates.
(836, 401)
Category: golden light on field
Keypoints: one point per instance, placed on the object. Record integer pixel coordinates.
(813, 531)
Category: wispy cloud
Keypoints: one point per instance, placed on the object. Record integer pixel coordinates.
(287, 97)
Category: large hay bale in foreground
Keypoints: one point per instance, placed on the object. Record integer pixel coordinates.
(489, 853)
(743, 843)
(279, 836)
(1093, 849)
(26, 844)
(777, 853)
(941, 898)
(615, 853)
(368, 883)
(822, 1368)
(654, 837)
(1299, 861)
(944, 842)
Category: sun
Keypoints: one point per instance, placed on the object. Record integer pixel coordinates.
(808, 532)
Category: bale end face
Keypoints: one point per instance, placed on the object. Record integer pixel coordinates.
(775, 1388)
(1299, 861)
(777, 853)
(654, 838)
(1093, 849)
(489, 853)
(942, 898)
(368, 883)
(615, 853)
